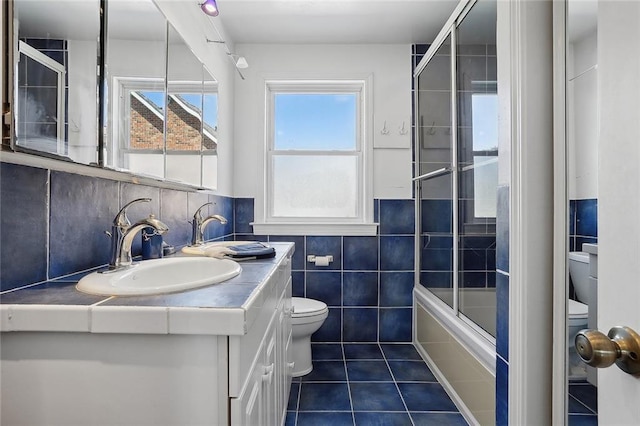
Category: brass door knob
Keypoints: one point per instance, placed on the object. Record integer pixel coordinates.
(622, 346)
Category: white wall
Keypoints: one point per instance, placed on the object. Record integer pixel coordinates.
(582, 112)
(619, 200)
(195, 28)
(390, 66)
(83, 110)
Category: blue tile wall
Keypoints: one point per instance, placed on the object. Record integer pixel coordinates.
(360, 324)
(502, 392)
(58, 219)
(502, 315)
(361, 253)
(174, 212)
(396, 289)
(360, 289)
(23, 225)
(502, 306)
(397, 217)
(397, 253)
(583, 223)
(368, 286)
(243, 215)
(82, 208)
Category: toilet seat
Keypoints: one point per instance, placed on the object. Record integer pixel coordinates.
(578, 312)
(303, 307)
(579, 256)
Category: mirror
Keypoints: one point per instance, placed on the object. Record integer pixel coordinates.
(135, 68)
(159, 103)
(582, 183)
(184, 139)
(56, 50)
(210, 131)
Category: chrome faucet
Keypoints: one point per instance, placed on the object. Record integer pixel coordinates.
(199, 224)
(123, 232)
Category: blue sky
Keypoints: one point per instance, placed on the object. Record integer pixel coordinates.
(485, 121)
(315, 121)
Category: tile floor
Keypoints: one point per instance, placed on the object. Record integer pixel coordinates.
(369, 384)
(583, 403)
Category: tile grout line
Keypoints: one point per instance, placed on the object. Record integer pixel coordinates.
(395, 383)
(346, 373)
(592, 411)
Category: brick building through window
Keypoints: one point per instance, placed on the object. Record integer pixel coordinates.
(183, 125)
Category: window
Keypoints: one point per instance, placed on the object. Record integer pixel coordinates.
(485, 153)
(143, 143)
(41, 97)
(316, 162)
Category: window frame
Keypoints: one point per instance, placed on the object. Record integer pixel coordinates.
(362, 223)
(120, 137)
(58, 68)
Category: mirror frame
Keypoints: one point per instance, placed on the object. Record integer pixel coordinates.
(20, 155)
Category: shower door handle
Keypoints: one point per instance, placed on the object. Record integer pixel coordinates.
(621, 346)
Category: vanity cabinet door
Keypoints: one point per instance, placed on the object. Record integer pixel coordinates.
(285, 358)
(247, 409)
(270, 379)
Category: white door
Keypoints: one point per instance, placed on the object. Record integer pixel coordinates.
(619, 198)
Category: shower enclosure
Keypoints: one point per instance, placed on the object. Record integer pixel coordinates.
(456, 168)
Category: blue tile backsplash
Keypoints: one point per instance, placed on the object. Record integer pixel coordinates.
(82, 209)
(24, 208)
(55, 220)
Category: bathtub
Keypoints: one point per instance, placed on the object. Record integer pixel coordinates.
(461, 355)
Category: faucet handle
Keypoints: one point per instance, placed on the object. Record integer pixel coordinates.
(121, 220)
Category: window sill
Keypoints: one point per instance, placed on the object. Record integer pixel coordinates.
(351, 229)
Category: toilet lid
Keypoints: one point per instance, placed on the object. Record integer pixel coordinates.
(303, 307)
(577, 309)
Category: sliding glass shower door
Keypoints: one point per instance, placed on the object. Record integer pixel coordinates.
(457, 167)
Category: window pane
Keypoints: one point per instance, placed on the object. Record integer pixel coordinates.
(210, 116)
(184, 123)
(315, 121)
(147, 120)
(318, 186)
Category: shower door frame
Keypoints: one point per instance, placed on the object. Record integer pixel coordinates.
(526, 46)
(472, 331)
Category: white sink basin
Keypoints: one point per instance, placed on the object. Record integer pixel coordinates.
(201, 250)
(159, 276)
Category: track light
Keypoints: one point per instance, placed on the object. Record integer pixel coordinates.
(239, 61)
(210, 8)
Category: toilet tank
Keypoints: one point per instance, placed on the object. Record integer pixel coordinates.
(579, 272)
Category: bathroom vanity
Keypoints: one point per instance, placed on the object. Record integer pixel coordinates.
(216, 355)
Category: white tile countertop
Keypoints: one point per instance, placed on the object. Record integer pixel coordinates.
(227, 308)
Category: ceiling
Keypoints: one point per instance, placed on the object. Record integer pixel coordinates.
(272, 21)
(333, 21)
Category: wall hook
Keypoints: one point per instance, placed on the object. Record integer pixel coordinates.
(403, 131)
(384, 130)
(431, 130)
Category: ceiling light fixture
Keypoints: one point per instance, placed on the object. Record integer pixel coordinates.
(210, 8)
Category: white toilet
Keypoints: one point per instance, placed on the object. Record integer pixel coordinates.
(578, 310)
(307, 317)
